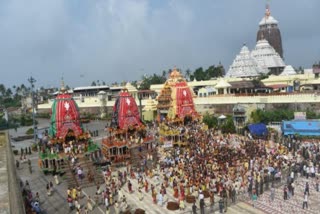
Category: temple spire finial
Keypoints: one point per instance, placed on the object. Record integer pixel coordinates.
(63, 88)
(268, 13)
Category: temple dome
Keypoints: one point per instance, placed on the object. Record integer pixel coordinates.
(125, 112)
(176, 98)
(130, 87)
(222, 84)
(288, 70)
(268, 20)
(244, 65)
(175, 74)
(65, 116)
(266, 55)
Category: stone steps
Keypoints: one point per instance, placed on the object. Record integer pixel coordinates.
(73, 180)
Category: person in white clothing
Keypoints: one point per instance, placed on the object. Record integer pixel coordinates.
(307, 171)
(312, 171)
(305, 201)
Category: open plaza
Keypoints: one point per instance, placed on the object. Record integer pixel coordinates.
(245, 140)
(175, 164)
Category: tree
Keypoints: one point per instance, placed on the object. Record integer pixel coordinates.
(2, 89)
(199, 74)
(277, 115)
(188, 73)
(93, 83)
(164, 73)
(210, 120)
(8, 92)
(134, 83)
(150, 80)
(228, 126)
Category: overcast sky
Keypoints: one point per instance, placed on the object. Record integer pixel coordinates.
(117, 40)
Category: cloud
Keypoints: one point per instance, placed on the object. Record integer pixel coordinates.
(114, 40)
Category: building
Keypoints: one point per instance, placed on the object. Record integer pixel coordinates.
(316, 69)
(267, 57)
(268, 29)
(301, 127)
(244, 65)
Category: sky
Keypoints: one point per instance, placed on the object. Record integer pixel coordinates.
(122, 40)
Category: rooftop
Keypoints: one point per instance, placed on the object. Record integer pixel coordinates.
(288, 70)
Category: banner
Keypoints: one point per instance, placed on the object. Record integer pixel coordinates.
(300, 116)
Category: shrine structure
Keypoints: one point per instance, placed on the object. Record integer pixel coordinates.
(175, 109)
(126, 131)
(67, 140)
(175, 102)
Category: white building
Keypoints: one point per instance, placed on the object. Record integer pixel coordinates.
(267, 57)
(244, 65)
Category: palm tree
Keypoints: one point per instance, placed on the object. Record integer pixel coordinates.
(2, 89)
(8, 92)
(188, 73)
(164, 73)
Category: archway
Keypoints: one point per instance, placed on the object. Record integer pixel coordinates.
(187, 119)
(70, 136)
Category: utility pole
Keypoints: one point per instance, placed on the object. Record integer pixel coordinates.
(31, 80)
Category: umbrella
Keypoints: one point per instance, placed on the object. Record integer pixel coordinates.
(271, 169)
(221, 117)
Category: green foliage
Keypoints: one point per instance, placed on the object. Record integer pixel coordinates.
(10, 99)
(30, 131)
(312, 115)
(277, 115)
(201, 74)
(43, 115)
(228, 126)
(26, 120)
(258, 80)
(210, 120)
(3, 124)
(150, 80)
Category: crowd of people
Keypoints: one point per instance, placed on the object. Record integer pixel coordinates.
(213, 168)
(221, 165)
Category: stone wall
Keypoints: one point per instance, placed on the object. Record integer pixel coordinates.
(227, 108)
(10, 193)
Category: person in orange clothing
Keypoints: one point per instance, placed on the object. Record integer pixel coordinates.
(146, 185)
(40, 163)
(154, 196)
(176, 192)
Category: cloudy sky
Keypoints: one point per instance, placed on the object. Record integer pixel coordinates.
(116, 40)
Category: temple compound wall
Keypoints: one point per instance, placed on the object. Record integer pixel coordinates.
(10, 194)
(228, 108)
